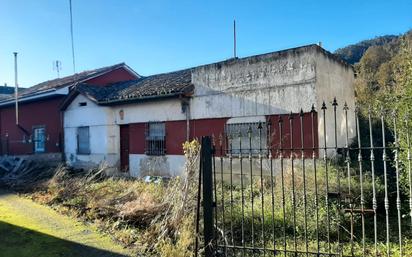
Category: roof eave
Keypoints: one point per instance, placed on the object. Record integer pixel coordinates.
(29, 98)
(138, 100)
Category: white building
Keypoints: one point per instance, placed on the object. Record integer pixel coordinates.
(139, 126)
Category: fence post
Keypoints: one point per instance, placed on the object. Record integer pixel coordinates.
(206, 159)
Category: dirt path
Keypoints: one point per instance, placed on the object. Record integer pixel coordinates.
(28, 229)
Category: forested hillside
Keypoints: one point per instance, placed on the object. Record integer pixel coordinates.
(353, 53)
(383, 88)
(383, 67)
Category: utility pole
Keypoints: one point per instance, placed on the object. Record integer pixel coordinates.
(234, 39)
(16, 88)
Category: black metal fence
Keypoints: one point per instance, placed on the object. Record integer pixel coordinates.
(265, 199)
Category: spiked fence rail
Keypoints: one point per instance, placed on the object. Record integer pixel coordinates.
(346, 203)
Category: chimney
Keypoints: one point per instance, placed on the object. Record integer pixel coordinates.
(320, 43)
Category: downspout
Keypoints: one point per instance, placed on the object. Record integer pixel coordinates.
(188, 120)
(185, 102)
(16, 96)
(61, 137)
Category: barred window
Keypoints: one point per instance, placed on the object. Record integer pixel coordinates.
(155, 138)
(83, 140)
(241, 142)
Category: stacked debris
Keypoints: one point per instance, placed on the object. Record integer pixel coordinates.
(22, 174)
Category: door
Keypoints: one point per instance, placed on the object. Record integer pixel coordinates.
(124, 148)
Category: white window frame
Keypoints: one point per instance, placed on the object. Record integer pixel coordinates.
(39, 139)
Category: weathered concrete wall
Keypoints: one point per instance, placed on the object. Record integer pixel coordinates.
(168, 165)
(51, 158)
(277, 83)
(267, 84)
(334, 80)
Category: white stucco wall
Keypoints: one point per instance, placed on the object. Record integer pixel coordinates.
(160, 110)
(104, 130)
(168, 165)
(103, 134)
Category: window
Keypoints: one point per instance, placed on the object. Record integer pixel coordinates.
(39, 139)
(240, 142)
(83, 104)
(155, 138)
(83, 140)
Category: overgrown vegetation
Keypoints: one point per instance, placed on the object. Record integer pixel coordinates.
(280, 223)
(154, 218)
(383, 73)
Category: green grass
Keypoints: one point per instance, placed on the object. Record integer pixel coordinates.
(28, 229)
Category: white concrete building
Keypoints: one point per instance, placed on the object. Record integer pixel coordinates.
(139, 126)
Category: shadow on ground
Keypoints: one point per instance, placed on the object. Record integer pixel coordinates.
(17, 241)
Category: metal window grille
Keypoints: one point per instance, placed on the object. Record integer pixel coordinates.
(247, 138)
(155, 138)
(83, 140)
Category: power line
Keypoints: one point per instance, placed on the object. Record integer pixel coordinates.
(71, 33)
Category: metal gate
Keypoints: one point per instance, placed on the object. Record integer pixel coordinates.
(353, 199)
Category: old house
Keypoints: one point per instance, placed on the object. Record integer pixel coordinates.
(36, 130)
(139, 126)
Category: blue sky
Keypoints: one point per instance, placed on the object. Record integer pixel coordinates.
(157, 36)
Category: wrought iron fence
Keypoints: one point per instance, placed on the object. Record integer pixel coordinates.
(267, 199)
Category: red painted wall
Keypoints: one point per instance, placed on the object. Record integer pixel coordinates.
(137, 138)
(176, 135)
(118, 75)
(211, 127)
(44, 112)
(284, 140)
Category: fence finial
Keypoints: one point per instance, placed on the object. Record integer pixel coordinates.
(345, 107)
(301, 112)
(334, 103)
(357, 109)
(324, 106)
(291, 116)
(313, 108)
